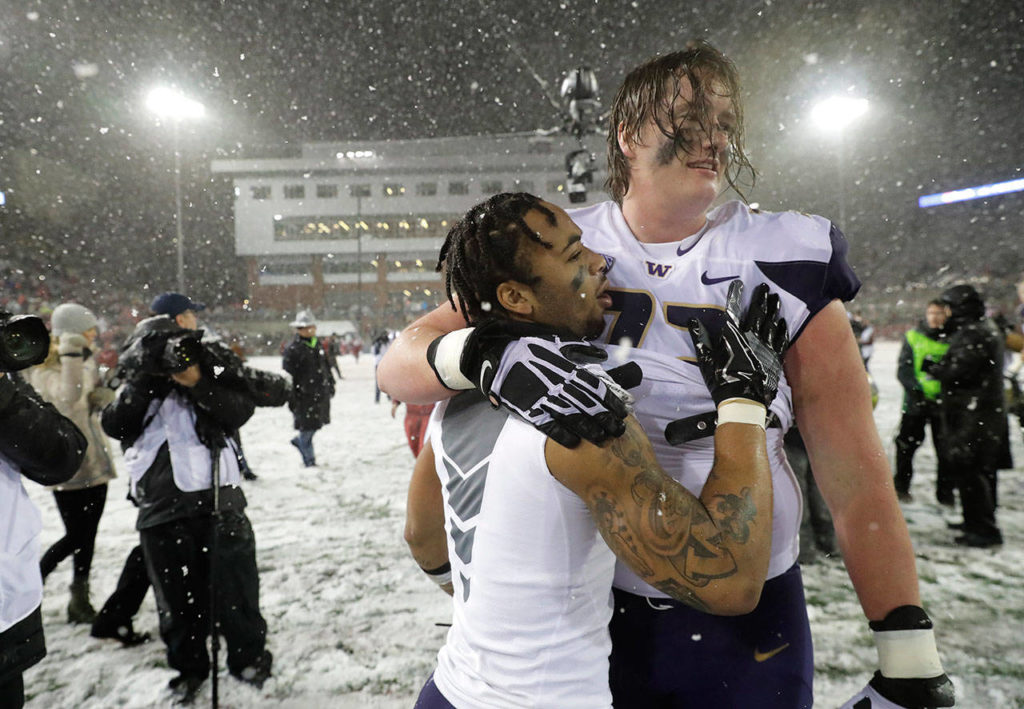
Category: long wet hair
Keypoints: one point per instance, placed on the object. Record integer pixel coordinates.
(482, 251)
(648, 94)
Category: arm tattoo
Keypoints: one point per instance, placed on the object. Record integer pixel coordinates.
(734, 514)
(671, 527)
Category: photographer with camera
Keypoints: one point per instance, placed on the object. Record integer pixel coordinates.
(38, 442)
(266, 388)
(174, 417)
(69, 379)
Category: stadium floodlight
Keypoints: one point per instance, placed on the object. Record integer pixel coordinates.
(968, 193)
(171, 104)
(834, 114)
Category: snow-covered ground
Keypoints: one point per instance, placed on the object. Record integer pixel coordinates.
(354, 623)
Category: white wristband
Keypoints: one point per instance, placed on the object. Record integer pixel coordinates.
(448, 357)
(742, 411)
(442, 575)
(907, 654)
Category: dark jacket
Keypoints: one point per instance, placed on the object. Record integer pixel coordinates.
(48, 448)
(971, 373)
(312, 383)
(222, 403)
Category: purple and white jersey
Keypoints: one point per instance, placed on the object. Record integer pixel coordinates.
(657, 288)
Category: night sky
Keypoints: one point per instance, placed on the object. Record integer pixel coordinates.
(87, 169)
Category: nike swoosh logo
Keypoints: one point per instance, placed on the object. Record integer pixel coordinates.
(708, 281)
(762, 656)
(485, 369)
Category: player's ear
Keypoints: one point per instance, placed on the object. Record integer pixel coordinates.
(626, 142)
(516, 297)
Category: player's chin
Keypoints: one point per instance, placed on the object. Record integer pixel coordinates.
(594, 327)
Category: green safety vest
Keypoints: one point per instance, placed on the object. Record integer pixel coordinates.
(923, 346)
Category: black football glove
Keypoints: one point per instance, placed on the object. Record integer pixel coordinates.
(746, 360)
(912, 652)
(540, 376)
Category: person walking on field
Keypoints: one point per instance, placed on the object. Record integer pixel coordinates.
(312, 384)
(69, 379)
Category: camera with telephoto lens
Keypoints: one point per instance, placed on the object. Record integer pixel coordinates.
(24, 341)
(160, 347)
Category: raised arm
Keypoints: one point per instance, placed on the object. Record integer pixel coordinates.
(709, 552)
(424, 521)
(403, 372)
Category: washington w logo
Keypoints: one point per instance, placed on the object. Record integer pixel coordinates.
(658, 270)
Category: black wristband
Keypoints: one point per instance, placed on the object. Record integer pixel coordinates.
(439, 571)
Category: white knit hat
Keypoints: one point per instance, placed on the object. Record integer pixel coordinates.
(72, 318)
(304, 318)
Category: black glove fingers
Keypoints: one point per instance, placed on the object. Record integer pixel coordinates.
(611, 423)
(543, 354)
(701, 341)
(581, 426)
(734, 301)
(615, 406)
(757, 311)
(559, 434)
(627, 376)
(588, 399)
(773, 307)
(780, 337)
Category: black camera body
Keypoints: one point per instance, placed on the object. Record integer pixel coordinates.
(24, 341)
(160, 347)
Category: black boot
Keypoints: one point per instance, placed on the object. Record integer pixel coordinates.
(185, 688)
(79, 608)
(258, 672)
(122, 632)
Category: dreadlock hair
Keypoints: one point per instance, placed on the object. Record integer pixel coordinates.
(482, 251)
(649, 93)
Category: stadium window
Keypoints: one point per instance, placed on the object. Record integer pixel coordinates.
(359, 190)
(260, 191)
(326, 191)
(490, 186)
(294, 191)
(426, 189)
(458, 188)
(393, 189)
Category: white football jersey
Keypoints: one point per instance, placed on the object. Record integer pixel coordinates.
(657, 288)
(531, 573)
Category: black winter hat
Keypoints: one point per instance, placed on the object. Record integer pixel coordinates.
(964, 301)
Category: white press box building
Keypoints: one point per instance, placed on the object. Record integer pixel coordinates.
(352, 226)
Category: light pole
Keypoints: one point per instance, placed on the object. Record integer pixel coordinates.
(175, 106)
(359, 261)
(833, 115)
